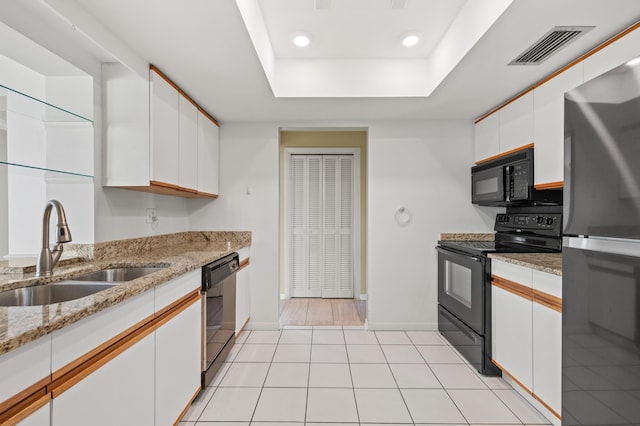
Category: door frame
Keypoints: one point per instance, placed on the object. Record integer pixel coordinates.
(357, 255)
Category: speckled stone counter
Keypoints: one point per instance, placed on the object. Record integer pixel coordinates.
(178, 253)
(468, 236)
(545, 262)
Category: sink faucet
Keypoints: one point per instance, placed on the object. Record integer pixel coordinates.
(47, 259)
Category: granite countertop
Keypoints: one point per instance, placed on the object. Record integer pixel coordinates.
(546, 262)
(178, 253)
(467, 236)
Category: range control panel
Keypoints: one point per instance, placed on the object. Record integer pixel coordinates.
(546, 223)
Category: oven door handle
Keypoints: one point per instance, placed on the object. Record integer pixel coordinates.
(458, 255)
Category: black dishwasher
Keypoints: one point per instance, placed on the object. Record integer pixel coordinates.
(218, 313)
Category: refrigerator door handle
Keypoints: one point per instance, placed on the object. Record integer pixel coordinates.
(605, 245)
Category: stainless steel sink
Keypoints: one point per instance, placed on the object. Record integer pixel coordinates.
(118, 275)
(50, 293)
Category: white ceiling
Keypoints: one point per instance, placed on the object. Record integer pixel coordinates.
(204, 46)
(357, 29)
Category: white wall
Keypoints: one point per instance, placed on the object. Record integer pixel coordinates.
(118, 213)
(249, 159)
(422, 166)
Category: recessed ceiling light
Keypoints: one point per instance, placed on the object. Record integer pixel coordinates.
(301, 39)
(410, 39)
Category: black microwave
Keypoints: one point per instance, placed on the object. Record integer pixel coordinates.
(508, 181)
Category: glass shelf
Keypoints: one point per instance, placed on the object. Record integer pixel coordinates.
(61, 173)
(37, 108)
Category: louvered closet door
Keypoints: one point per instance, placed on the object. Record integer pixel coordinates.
(337, 226)
(306, 250)
(321, 253)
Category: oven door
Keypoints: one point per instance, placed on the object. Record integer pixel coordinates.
(487, 186)
(461, 279)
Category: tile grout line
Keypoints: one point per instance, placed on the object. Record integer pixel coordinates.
(394, 377)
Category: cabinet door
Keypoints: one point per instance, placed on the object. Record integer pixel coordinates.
(547, 356)
(188, 144)
(208, 155)
(516, 123)
(549, 125)
(617, 53)
(486, 138)
(512, 340)
(243, 298)
(178, 360)
(118, 393)
(22, 367)
(165, 149)
(40, 417)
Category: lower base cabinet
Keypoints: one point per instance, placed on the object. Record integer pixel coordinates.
(178, 352)
(121, 392)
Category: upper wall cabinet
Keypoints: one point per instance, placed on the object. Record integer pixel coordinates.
(516, 123)
(487, 138)
(157, 139)
(615, 54)
(548, 100)
(537, 116)
(508, 129)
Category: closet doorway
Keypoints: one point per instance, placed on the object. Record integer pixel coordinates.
(321, 226)
(322, 241)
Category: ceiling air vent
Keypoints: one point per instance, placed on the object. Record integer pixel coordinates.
(549, 44)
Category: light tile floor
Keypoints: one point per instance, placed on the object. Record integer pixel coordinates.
(341, 376)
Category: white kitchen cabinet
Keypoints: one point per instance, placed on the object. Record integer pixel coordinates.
(156, 139)
(548, 114)
(165, 133)
(527, 332)
(121, 392)
(21, 368)
(169, 292)
(516, 123)
(512, 334)
(208, 156)
(243, 290)
(547, 343)
(178, 359)
(486, 141)
(74, 341)
(617, 53)
(40, 417)
(188, 125)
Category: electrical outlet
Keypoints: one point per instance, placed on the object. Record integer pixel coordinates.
(151, 216)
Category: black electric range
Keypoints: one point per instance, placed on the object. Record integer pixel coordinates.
(464, 278)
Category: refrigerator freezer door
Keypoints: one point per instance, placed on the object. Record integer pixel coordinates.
(600, 333)
(602, 153)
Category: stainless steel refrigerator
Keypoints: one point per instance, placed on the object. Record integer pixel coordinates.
(601, 251)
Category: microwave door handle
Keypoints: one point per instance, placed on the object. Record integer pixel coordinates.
(508, 170)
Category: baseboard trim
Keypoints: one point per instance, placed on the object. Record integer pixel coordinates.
(412, 326)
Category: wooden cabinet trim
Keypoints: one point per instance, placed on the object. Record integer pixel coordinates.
(512, 287)
(24, 409)
(244, 263)
(23, 398)
(195, 395)
(66, 377)
(527, 390)
(502, 154)
(528, 293)
(547, 300)
(162, 188)
(243, 326)
(551, 410)
(183, 93)
(550, 185)
(562, 69)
